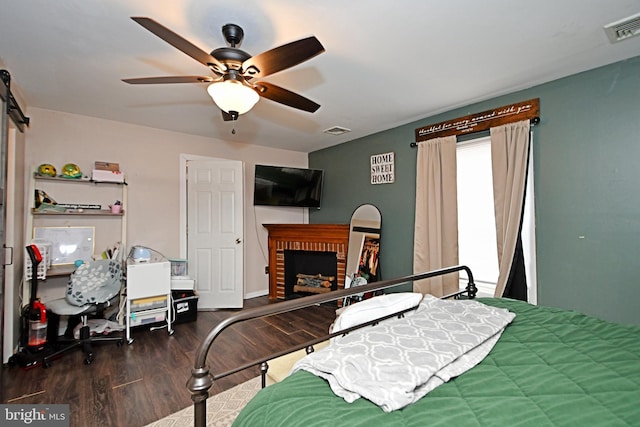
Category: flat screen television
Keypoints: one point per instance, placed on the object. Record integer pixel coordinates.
(287, 186)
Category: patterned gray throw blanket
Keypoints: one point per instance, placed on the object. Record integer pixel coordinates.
(398, 361)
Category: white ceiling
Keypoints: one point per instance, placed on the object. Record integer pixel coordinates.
(386, 63)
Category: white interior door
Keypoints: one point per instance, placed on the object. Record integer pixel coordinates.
(215, 231)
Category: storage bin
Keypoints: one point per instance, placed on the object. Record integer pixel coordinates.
(151, 303)
(180, 283)
(107, 176)
(185, 306)
(178, 267)
(45, 250)
(142, 318)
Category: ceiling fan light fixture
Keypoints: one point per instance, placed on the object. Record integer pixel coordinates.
(232, 95)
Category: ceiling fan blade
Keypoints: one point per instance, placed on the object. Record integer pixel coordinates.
(170, 79)
(179, 43)
(282, 57)
(286, 97)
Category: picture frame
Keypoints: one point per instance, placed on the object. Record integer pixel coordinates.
(68, 244)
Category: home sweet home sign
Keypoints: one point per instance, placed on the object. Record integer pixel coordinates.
(382, 168)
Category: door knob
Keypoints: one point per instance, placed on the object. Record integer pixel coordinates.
(238, 241)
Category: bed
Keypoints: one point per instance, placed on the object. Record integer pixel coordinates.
(548, 367)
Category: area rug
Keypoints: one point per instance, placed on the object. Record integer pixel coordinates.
(222, 408)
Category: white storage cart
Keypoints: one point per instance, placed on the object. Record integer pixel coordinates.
(148, 290)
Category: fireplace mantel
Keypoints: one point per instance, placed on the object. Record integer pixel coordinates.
(304, 237)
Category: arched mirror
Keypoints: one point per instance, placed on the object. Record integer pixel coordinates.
(364, 243)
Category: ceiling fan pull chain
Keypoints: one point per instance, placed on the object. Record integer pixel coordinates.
(234, 118)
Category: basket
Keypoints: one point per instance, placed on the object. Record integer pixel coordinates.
(45, 250)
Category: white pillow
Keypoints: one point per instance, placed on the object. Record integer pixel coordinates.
(374, 308)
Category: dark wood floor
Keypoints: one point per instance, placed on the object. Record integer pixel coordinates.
(136, 384)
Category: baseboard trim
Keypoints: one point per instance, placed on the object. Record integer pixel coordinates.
(256, 294)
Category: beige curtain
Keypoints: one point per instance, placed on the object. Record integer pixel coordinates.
(436, 221)
(509, 150)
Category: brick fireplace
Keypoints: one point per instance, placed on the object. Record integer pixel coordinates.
(332, 238)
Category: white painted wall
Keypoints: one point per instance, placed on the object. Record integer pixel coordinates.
(150, 158)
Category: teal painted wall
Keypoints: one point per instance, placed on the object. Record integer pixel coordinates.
(587, 196)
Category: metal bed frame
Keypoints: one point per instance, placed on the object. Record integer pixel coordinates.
(202, 379)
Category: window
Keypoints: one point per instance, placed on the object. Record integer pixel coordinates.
(476, 220)
(476, 224)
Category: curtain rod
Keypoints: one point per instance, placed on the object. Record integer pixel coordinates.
(13, 108)
(534, 121)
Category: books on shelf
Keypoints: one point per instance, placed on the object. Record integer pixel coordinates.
(79, 206)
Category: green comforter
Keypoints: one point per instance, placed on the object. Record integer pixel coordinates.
(550, 368)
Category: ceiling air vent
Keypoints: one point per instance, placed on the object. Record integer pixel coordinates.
(336, 130)
(623, 29)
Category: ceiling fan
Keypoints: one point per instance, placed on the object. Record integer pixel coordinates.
(233, 83)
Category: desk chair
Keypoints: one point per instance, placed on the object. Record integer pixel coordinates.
(93, 287)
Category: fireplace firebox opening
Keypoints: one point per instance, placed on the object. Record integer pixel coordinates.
(312, 271)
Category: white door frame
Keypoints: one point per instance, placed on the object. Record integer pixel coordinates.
(184, 159)
(13, 253)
